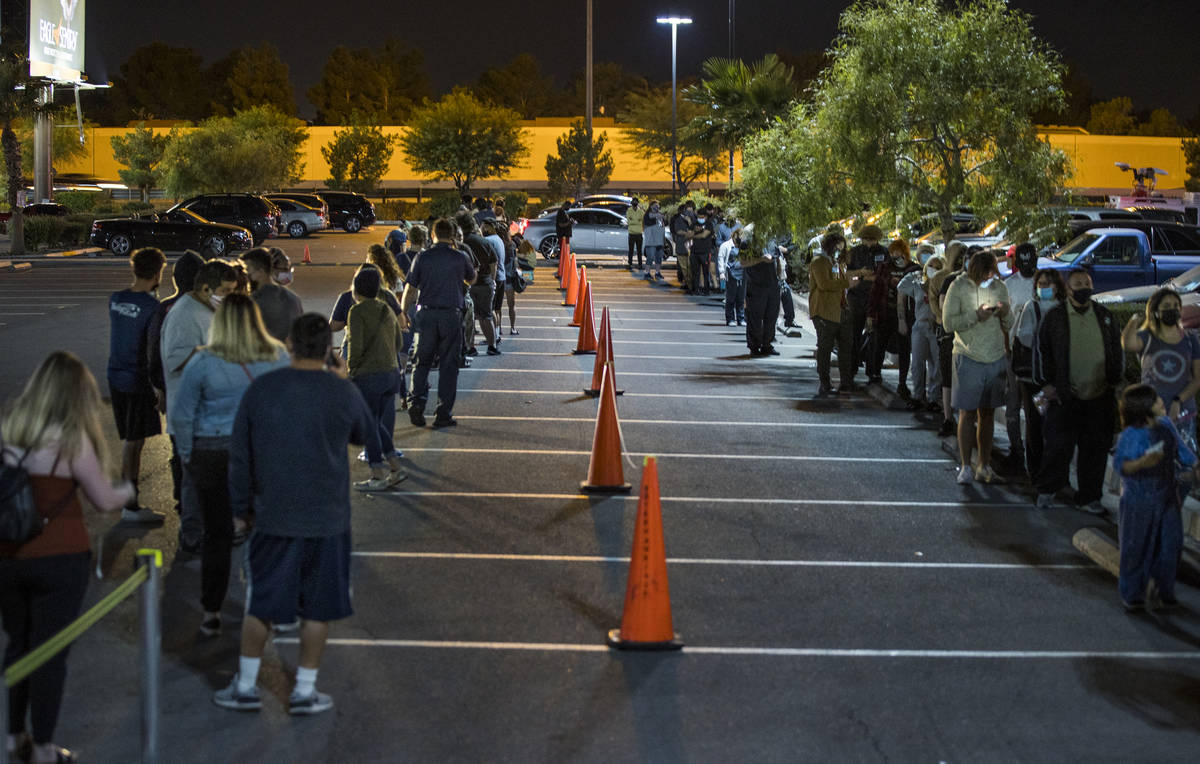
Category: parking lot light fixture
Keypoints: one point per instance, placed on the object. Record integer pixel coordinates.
(674, 21)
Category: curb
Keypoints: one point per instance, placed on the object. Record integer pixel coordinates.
(1099, 548)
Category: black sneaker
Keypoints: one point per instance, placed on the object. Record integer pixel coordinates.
(473, 351)
(416, 416)
(445, 422)
(770, 350)
(949, 427)
(493, 350)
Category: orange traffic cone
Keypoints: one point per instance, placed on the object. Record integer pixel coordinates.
(604, 472)
(587, 327)
(562, 260)
(646, 621)
(572, 285)
(575, 298)
(307, 257)
(604, 357)
(565, 276)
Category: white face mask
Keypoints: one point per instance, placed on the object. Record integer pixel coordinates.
(931, 270)
(215, 301)
(282, 278)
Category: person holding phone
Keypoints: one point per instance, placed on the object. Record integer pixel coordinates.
(977, 312)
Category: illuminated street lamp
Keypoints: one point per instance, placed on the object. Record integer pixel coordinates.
(674, 21)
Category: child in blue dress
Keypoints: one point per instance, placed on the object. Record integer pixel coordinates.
(1150, 525)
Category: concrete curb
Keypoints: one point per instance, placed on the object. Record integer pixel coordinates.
(1099, 548)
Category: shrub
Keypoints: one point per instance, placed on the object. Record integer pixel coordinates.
(445, 204)
(80, 201)
(515, 203)
(106, 206)
(43, 231)
(136, 206)
(392, 209)
(418, 211)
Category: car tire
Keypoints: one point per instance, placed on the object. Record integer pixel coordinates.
(120, 244)
(549, 247)
(296, 229)
(213, 246)
(353, 224)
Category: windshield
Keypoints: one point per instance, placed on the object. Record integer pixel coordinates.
(1188, 281)
(1075, 248)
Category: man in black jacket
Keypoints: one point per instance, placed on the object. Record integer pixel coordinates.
(563, 225)
(1078, 363)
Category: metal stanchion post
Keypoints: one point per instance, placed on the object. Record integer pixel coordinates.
(151, 651)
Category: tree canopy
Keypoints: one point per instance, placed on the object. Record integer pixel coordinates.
(886, 129)
(256, 149)
(385, 84)
(582, 163)
(141, 151)
(358, 157)
(259, 77)
(461, 139)
(1191, 156)
(520, 85)
(649, 135)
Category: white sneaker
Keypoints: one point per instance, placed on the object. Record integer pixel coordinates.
(965, 475)
(372, 485)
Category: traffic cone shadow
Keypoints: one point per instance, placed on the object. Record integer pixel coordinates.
(574, 295)
(604, 357)
(605, 473)
(587, 327)
(646, 622)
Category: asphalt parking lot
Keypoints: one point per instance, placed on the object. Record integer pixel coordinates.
(841, 598)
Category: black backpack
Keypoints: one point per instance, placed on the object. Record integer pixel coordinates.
(1022, 357)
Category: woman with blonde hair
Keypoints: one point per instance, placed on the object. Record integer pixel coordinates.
(53, 431)
(201, 415)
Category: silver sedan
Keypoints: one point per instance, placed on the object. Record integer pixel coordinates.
(595, 231)
(299, 219)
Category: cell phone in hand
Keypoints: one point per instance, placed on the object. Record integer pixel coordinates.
(1157, 448)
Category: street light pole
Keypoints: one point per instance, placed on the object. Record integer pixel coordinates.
(588, 99)
(674, 21)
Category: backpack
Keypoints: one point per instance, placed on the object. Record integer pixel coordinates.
(20, 520)
(1022, 357)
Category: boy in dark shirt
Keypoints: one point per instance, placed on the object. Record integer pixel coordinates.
(134, 403)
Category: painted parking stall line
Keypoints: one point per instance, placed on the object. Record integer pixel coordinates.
(852, 425)
(748, 457)
(729, 500)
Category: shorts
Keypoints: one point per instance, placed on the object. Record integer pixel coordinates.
(498, 300)
(978, 385)
(482, 295)
(136, 414)
(307, 577)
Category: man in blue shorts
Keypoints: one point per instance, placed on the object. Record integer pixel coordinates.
(299, 553)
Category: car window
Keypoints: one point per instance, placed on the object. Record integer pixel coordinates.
(218, 208)
(1180, 241)
(606, 219)
(284, 205)
(1075, 248)
(1117, 250)
(585, 217)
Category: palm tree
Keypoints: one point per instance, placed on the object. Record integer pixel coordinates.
(739, 100)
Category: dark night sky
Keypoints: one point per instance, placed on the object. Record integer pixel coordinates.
(1146, 49)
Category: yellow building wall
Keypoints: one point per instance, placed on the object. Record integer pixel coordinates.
(1093, 157)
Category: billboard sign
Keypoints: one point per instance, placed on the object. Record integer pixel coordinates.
(56, 39)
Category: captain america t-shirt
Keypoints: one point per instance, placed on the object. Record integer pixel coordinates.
(1167, 367)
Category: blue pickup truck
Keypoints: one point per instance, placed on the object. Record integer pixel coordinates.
(1129, 257)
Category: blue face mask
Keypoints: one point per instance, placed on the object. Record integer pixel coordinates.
(1045, 293)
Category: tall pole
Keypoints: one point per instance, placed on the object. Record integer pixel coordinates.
(674, 160)
(588, 99)
(43, 144)
(731, 28)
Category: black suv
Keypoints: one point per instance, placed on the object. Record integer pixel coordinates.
(347, 210)
(250, 211)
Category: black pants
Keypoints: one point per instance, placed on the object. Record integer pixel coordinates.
(700, 271)
(829, 335)
(439, 334)
(1034, 429)
(38, 598)
(635, 242)
(176, 471)
(735, 300)
(209, 471)
(855, 317)
(1086, 426)
(762, 310)
(884, 333)
(786, 304)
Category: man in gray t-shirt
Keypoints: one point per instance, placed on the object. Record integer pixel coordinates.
(279, 305)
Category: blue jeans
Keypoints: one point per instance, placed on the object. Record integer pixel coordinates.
(379, 391)
(735, 299)
(654, 255)
(439, 333)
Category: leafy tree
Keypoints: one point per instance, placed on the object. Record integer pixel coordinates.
(358, 157)
(519, 86)
(884, 126)
(739, 100)
(1077, 106)
(806, 67)
(385, 84)
(1191, 156)
(254, 150)
(140, 151)
(1163, 123)
(648, 134)
(611, 86)
(1113, 117)
(582, 163)
(461, 139)
(259, 77)
(159, 81)
(14, 105)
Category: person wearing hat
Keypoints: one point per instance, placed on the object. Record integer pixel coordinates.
(1020, 291)
(861, 263)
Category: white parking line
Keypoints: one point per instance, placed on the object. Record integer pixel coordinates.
(486, 417)
(627, 394)
(732, 341)
(581, 372)
(630, 356)
(888, 504)
(777, 652)
(756, 457)
(566, 558)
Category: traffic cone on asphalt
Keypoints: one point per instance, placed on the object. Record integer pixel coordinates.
(605, 474)
(587, 327)
(565, 277)
(307, 257)
(646, 620)
(604, 357)
(576, 298)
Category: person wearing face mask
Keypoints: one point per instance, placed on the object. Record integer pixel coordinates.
(828, 283)
(882, 316)
(635, 216)
(279, 306)
(1049, 291)
(704, 245)
(186, 328)
(1079, 362)
(862, 260)
(1020, 291)
(939, 284)
(653, 240)
(1170, 357)
(914, 296)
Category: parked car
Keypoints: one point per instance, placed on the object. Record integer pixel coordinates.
(176, 229)
(250, 211)
(615, 202)
(1165, 238)
(348, 211)
(35, 210)
(311, 200)
(1186, 283)
(596, 230)
(299, 219)
(1102, 213)
(1123, 257)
